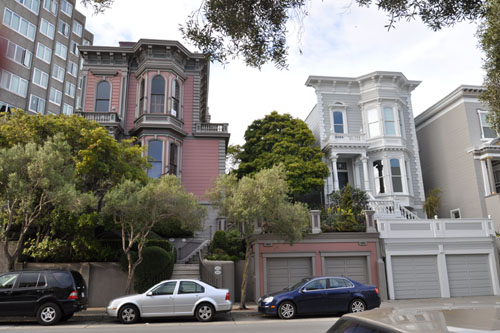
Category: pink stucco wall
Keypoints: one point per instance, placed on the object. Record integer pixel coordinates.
(317, 248)
(200, 165)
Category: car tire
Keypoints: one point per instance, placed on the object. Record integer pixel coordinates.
(287, 310)
(128, 314)
(48, 314)
(357, 305)
(205, 312)
(67, 317)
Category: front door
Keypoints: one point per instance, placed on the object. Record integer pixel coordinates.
(160, 302)
(26, 294)
(7, 282)
(312, 297)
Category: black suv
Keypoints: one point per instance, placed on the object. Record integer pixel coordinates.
(50, 295)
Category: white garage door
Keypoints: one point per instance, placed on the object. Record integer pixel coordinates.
(469, 275)
(351, 267)
(415, 277)
(283, 272)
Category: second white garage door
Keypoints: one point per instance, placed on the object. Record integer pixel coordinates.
(283, 272)
(469, 275)
(351, 267)
(415, 277)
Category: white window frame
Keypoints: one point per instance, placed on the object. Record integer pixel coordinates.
(73, 48)
(480, 113)
(400, 176)
(40, 109)
(393, 121)
(42, 80)
(452, 215)
(77, 28)
(59, 51)
(32, 5)
(25, 55)
(67, 109)
(72, 68)
(58, 70)
(47, 53)
(30, 27)
(369, 122)
(13, 83)
(63, 28)
(51, 6)
(50, 29)
(70, 89)
(66, 8)
(55, 96)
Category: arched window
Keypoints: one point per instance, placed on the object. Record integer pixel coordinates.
(102, 96)
(155, 148)
(141, 98)
(397, 184)
(172, 166)
(157, 94)
(176, 98)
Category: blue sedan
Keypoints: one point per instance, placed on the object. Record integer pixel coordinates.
(325, 294)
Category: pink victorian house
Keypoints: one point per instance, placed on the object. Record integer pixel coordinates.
(157, 91)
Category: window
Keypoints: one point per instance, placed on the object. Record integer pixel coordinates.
(72, 68)
(389, 121)
(33, 5)
(77, 28)
(70, 89)
(378, 175)
(189, 287)
(55, 96)
(141, 98)
(16, 53)
(44, 53)
(8, 280)
(51, 6)
(19, 24)
(397, 184)
(176, 97)
(29, 279)
(13, 83)
(86, 42)
(157, 94)
(338, 122)
(316, 285)
(63, 279)
(67, 109)
(102, 96)
(61, 51)
(73, 48)
(373, 123)
(339, 283)
(455, 213)
(166, 288)
(66, 8)
(63, 28)
(172, 166)
(155, 148)
(47, 28)
(58, 73)
(40, 78)
(486, 131)
(37, 104)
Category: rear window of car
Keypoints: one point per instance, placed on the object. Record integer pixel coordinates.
(188, 287)
(63, 279)
(351, 326)
(79, 281)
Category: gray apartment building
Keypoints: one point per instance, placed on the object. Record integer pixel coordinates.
(40, 61)
(460, 154)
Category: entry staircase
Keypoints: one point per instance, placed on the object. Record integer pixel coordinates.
(186, 271)
(390, 209)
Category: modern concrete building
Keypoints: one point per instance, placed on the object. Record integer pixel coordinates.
(40, 66)
(365, 127)
(157, 92)
(460, 155)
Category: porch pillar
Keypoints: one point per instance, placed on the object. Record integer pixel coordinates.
(387, 175)
(335, 174)
(486, 181)
(357, 178)
(491, 176)
(364, 159)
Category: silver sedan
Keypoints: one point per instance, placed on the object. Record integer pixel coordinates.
(172, 298)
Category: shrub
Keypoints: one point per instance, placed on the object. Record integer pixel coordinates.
(157, 265)
(341, 220)
(171, 229)
(349, 198)
(227, 246)
(431, 204)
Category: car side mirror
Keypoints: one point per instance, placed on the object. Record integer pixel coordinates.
(303, 290)
(149, 293)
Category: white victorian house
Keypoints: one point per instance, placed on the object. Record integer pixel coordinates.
(365, 127)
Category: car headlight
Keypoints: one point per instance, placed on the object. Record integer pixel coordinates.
(268, 299)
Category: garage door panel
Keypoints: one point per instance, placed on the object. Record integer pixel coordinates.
(283, 272)
(415, 277)
(352, 267)
(469, 275)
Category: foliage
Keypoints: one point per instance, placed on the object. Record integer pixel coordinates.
(489, 37)
(232, 157)
(32, 178)
(259, 201)
(156, 266)
(431, 204)
(350, 198)
(98, 6)
(172, 228)
(137, 208)
(283, 139)
(339, 219)
(227, 246)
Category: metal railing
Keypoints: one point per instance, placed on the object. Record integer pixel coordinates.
(211, 127)
(391, 209)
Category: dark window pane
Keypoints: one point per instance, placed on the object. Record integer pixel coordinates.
(63, 279)
(155, 148)
(28, 280)
(158, 86)
(103, 90)
(165, 289)
(188, 287)
(102, 105)
(395, 169)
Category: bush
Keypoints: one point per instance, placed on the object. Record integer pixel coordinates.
(353, 199)
(341, 220)
(171, 229)
(227, 246)
(157, 265)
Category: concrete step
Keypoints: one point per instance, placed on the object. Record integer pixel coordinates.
(186, 271)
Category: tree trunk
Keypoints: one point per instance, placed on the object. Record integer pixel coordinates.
(6, 253)
(248, 251)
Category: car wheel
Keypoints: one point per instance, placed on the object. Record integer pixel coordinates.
(357, 305)
(128, 314)
(286, 310)
(67, 317)
(48, 314)
(205, 312)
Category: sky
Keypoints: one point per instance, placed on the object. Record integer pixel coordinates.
(336, 38)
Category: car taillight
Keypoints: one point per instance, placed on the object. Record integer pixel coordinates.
(73, 295)
(376, 290)
(227, 297)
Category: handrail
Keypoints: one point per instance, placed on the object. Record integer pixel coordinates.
(199, 248)
(393, 208)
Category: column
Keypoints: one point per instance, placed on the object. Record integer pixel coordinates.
(402, 166)
(387, 175)
(486, 182)
(357, 178)
(364, 159)
(335, 174)
(491, 176)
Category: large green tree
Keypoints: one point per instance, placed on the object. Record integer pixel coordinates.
(137, 208)
(283, 139)
(256, 204)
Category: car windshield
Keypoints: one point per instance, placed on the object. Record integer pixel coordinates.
(298, 284)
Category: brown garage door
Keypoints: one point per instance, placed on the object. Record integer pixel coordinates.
(283, 272)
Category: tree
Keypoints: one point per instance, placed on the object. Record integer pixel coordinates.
(346, 212)
(137, 208)
(431, 204)
(283, 139)
(33, 177)
(259, 201)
